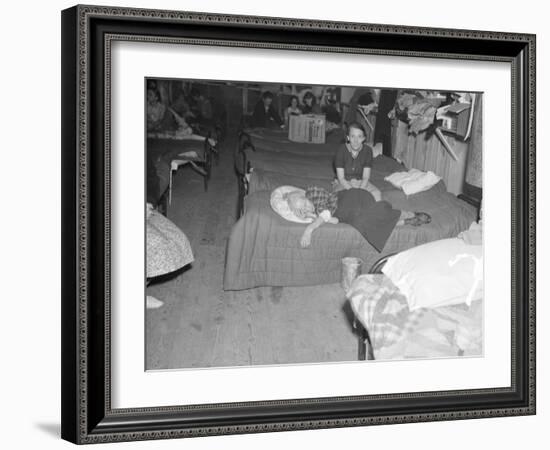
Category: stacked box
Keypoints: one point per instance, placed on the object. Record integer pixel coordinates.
(309, 128)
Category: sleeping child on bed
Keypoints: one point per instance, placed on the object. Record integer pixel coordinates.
(356, 207)
(353, 162)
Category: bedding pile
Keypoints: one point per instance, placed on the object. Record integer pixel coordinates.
(396, 332)
(413, 181)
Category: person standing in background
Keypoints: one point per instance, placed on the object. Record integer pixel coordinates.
(382, 128)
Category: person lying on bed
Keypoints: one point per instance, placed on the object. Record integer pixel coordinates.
(356, 207)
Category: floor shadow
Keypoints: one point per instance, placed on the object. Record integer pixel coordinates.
(171, 275)
(53, 429)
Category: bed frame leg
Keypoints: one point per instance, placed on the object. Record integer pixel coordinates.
(362, 353)
(240, 199)
(364, 348)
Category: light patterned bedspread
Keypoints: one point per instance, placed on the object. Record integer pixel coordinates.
(168, 248)
(397, 333)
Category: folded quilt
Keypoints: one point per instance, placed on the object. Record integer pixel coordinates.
(413, 181)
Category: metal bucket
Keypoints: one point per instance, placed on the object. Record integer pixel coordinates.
(351, 269)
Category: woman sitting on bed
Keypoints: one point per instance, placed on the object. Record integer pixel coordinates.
(353, 162)
(356, 207)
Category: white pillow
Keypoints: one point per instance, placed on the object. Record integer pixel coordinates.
(280, 205)
(440, 273)
(421, 184)
(399, 178)
(413, 181)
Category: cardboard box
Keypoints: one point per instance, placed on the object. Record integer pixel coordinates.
(309, 128)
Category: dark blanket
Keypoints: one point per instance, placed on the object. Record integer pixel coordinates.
(374, 220)
(276, 140)
(290, 164)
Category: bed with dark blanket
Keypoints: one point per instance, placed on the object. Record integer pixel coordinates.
(276, 140)
(264, 249)
(273, 170)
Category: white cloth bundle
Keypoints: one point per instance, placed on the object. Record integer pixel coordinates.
(413, 181)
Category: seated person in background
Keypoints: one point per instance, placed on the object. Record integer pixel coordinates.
(201, 106)
(156, 110)
(185, 131)
(181, 106)
(162, 118)
(353, 162)
(356, 207)
(292, 109)
(310, 105)
(202, 114)
(265, 115)
(183, 128)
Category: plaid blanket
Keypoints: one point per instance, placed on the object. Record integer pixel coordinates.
(397, 333)
(322, 199)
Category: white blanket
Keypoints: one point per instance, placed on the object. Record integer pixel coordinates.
(413, 181)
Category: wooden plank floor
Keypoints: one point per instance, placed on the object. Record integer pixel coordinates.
(200, 325)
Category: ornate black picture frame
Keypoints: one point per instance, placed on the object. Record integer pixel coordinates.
(87, 34)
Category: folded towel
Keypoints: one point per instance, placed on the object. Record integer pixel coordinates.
(413, 181)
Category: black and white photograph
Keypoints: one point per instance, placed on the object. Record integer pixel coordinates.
(282, 223)
(302, 223)
(275, 225)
